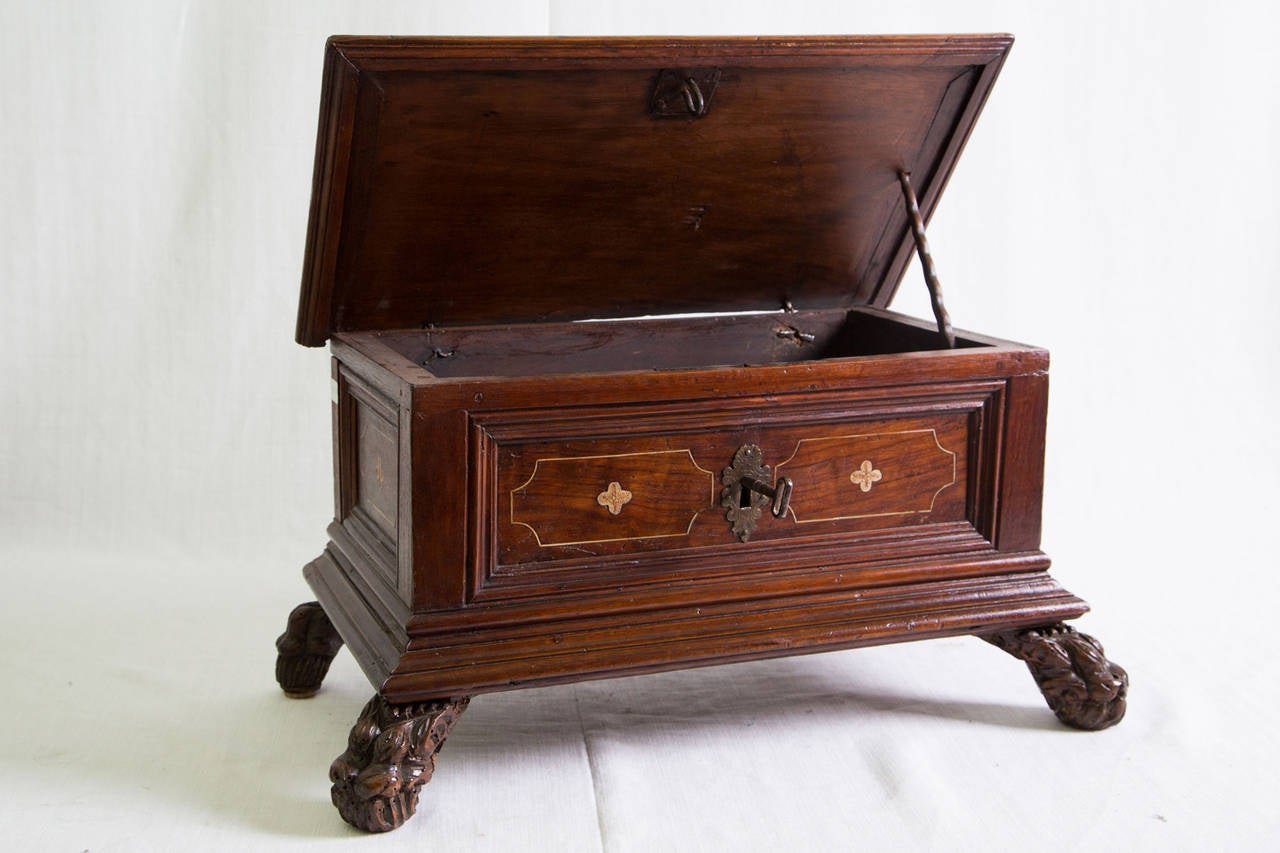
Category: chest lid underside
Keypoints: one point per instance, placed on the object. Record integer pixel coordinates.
(484, 181)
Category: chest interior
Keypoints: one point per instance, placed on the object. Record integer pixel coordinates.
(667, 343)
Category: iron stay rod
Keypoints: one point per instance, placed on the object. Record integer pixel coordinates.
(926, 260)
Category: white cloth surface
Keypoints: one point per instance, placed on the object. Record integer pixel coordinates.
(142, 715)
(165, 461)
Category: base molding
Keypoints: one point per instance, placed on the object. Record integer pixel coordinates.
(486, 648)
(502, 658)
(391, 752)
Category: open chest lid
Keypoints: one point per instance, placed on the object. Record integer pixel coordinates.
(479, 181)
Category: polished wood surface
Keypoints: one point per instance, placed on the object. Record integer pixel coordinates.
(545, 497)
(486, 181)
(481, 413)
(661, 343)
(503, 535)
(1083, 688)
(305, 650)
(537, 485)
(576, 497)
(390, 755)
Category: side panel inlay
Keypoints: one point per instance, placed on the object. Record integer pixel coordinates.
(377, 468)
(873, 474)
(577, 500)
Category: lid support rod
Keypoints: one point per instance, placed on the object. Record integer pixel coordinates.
(926, 260)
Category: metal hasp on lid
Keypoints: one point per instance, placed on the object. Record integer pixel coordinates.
(683, 93)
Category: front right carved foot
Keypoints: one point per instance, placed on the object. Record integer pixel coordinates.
(391, 754)
(1082, 687)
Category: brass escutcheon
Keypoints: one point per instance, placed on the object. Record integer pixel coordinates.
(747, 491)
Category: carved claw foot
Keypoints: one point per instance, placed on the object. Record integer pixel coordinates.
(1083, 688)
(306, 648)
(391, 754)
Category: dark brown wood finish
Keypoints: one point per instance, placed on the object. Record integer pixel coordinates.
(474, 584)
(473, 181)
(1083, 688)
(545, 504)
(527, 498)
(305, 650)
(659, 343)
(390, 755)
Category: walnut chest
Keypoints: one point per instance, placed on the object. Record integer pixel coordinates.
(616, 388)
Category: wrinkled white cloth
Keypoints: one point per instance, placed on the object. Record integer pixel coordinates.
(143, 715)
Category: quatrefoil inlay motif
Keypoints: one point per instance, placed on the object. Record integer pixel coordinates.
(613, 498)
(865, 476)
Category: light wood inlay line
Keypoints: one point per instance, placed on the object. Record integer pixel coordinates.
(872, 474)
(624, 496)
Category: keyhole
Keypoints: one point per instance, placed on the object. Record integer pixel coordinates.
(744, 497)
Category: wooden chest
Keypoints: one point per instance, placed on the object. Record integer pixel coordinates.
(615, 388)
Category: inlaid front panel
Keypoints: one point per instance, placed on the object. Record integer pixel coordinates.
(618, 497)
(864, 475)
(590, 493)
(621, 495)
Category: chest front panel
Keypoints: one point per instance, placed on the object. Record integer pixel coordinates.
(585, 501)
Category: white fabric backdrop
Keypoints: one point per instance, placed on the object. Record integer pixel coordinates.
(164, 457)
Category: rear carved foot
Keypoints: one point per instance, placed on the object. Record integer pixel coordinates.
(1083, 688)
(391, 754)
(305, 650)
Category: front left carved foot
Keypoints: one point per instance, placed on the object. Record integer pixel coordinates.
(1083, 688)
(391, 754)
(305, 650)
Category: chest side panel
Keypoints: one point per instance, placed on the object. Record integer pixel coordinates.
(367, 457)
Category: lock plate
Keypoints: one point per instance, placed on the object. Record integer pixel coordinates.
(748, 490)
